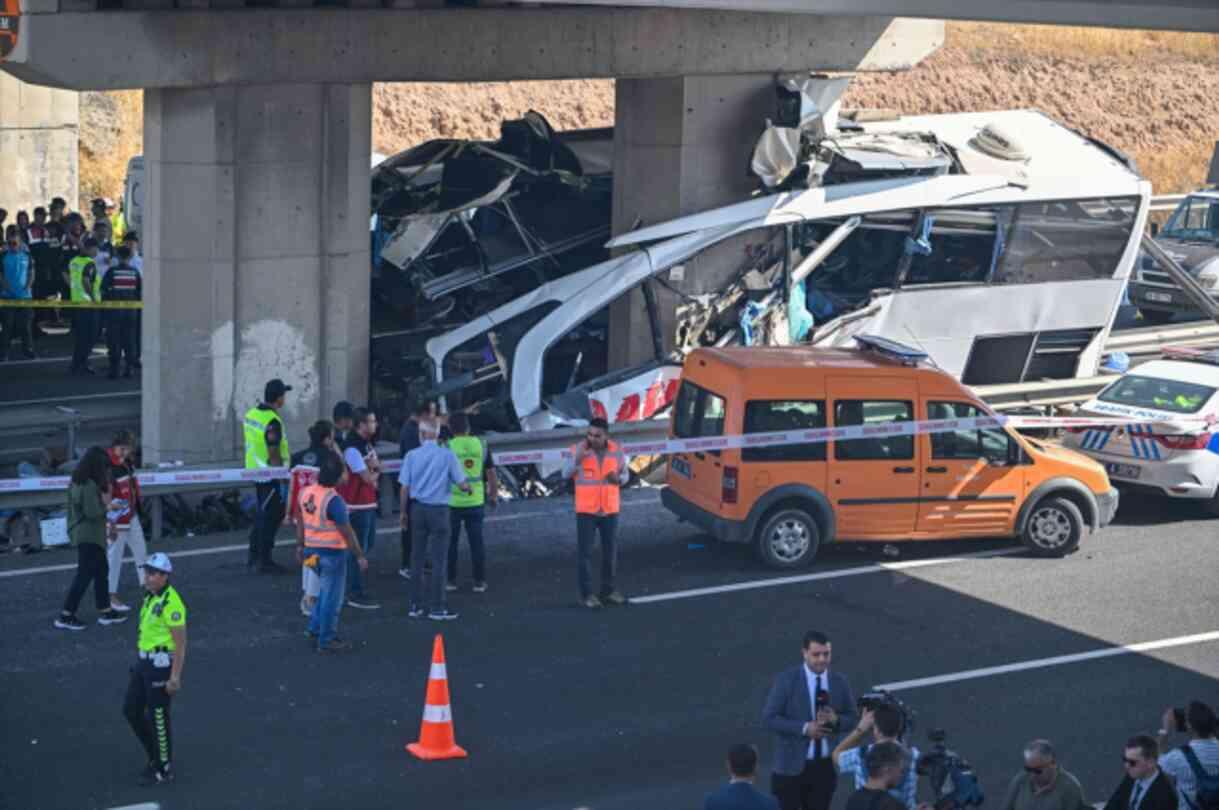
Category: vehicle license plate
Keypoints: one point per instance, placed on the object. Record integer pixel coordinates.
(1163, 298)
(680, 466)
(1123, 470)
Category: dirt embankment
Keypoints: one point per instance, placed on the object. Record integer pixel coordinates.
(1154, 96)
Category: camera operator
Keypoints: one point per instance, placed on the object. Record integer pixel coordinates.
(887, 764)
(886, 723)
(1043, 785)
(1201, 724)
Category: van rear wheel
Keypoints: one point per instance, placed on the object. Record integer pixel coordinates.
(1054, 528)
(788, 538)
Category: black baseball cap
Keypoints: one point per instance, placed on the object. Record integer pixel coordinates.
(344, 410)
(274, 390)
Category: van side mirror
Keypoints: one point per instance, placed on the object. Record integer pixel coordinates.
(1155, 229)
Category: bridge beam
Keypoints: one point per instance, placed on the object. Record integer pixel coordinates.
(210, 48)
(256, 259)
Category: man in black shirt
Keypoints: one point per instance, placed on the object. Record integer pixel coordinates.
(886, 763)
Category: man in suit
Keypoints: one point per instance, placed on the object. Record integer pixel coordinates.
(1145, 786)
(806, 708)
(739, 793)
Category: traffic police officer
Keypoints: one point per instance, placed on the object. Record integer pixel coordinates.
(84, 286)
(466, 509)
(266, 445)
(157, 675)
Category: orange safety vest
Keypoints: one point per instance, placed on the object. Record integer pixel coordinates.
(593, 495)
(320, 530)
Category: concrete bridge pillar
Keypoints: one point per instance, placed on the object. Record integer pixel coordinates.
(681, 145)
(256, 259)
(39, 129)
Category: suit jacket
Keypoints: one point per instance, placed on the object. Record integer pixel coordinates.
(788, 708)
(1160, 796)
(740, 796)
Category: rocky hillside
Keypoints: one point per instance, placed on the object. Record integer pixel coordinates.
(1155, 96)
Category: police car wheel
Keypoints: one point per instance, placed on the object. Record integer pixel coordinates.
(788, 538)
(1054, 528)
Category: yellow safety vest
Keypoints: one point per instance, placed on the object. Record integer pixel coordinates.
(254, 426)
(469, 451)
(76, 279)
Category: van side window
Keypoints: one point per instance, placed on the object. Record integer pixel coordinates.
(769, 416)
(873, 412)
(965, 444)
(698, 413)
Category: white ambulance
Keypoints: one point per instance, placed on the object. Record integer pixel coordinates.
(1179, 458)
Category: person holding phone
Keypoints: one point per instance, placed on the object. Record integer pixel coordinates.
(598, 468)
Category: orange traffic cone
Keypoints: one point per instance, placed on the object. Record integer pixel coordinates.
(436, 739)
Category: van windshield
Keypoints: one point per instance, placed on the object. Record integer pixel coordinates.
(1162, 395)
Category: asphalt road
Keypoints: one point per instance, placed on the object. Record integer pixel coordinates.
(620, 709)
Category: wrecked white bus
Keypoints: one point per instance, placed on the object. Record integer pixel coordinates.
(1003, 258)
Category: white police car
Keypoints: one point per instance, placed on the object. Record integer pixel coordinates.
(1179, 460)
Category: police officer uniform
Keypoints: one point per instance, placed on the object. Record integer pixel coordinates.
(147, 703)
(262, 426)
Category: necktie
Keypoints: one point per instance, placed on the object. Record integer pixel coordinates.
(817, 689)
(1135, 795)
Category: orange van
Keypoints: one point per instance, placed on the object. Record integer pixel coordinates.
(788, 500)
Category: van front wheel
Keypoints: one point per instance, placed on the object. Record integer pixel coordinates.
(1054, 528)
(788, 538)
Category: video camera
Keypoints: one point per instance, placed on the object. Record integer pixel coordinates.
(952, 778)
(870, 701)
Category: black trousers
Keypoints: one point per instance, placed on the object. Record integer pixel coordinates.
(84, 335)
(120, 337)
(147, 709)
(266, 523)
(811, 789)
(17, 324)
(91, 567)
(588, 527)
(405, 539)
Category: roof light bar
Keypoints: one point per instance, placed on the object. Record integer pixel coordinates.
(1192, 354)
(892, 349)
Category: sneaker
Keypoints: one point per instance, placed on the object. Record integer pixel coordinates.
(309, 634)
(591, 602)
(112, 617)
(442, 615)
(416, 612)
(480, 587)
(450, 586)
(157, 776)
(405, 573)
(362, 603)
(69, 623)
(119, 606)
(614, 598)
(335, 645)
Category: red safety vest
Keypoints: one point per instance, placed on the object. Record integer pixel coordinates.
(358, 493)
(124, 486)
(593, 495)
(320, 530)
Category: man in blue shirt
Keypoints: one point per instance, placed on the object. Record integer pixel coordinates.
(428, 474)
(17, 284)
(887, 724)
(739, 793)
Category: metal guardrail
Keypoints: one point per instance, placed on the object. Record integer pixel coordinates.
(1166, 202)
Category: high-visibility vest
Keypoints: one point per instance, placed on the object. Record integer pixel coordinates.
(593, 495)
(470, 452)
(76, 280)
(320, 530)
(254, 426)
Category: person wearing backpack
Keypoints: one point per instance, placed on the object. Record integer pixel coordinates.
(1194, 766)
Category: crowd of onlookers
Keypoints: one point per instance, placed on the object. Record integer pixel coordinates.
(60, 255)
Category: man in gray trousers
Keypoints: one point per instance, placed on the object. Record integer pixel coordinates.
(429, 472)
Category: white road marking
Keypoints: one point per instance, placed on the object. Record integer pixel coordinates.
(877, 568)
(199, 552)
(65, 400)
(1057, 660)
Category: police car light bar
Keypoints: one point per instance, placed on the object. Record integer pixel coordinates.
(1191, 354)
(892, 349)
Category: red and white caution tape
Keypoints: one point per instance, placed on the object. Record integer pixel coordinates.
(666, 447)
